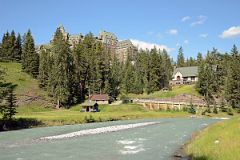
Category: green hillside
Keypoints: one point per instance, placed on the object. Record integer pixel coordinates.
(176, 90)
(27, 90)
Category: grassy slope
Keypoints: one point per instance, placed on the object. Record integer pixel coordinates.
(184, 89)
(26, 85)
(204, 146)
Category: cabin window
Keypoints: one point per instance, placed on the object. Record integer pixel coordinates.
(192, 78)
(178, 78)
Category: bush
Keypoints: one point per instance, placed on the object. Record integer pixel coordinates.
(230, 111)
(208, 110)
(192, 110)
(125, 99)
(224, 109)
(185, 109)
(204, 112)
(215, 110)
(89, 119)
(238, 111)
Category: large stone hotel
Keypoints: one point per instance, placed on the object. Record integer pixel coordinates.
(121, 49)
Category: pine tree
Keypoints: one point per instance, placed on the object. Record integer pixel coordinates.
(154, 75)
(18, 48)
(30, 59)
(167, 68)
(199, 58)
(78, 88)
(10, 106)
(233, 79)
(43, 68)
(206, 84)
(12, 47)
(6, 46)
(191, 62)
(180, 58)
(61, 85)
(128, 79)
(115, 78)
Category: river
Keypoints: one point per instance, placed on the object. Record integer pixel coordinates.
(157, 141)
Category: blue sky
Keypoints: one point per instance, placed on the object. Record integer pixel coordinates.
(198, 26)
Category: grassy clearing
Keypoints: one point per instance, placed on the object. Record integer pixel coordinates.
(176, 90)
(220, 141)
(52, 117)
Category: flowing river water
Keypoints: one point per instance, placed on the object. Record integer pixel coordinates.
(145, 139)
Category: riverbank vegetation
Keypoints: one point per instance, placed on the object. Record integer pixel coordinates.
(219, 141)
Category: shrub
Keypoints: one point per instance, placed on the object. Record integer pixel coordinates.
(208, 110)
(185, 109)
(224, 109)
(230, 111)
(125, 99)
(204, 112)
(215, 110)
(191, 109)
(89, 119)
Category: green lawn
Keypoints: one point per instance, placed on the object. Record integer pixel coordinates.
(107, 113)
(220, 141)
(183, 89)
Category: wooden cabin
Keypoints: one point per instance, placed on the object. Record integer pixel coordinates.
(90, 106)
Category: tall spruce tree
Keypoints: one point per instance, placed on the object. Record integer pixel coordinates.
(115, 78)
(18, 48)
(180, 58)
(6, 46)
(206, 84)
(199, 58)
(233, 79)
(43, 68)
(128, 80)
(13, 46)
(167, 68)
(78, 87)
(61, 73)
(10, 105)
(30, 58)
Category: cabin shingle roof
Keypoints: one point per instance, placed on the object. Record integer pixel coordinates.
(99, 97)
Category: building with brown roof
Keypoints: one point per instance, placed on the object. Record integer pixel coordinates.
(100, 98)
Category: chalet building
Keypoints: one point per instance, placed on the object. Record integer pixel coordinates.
(100, 98)
(109, 41)
(120, 49)
(185, 75)
(126, 49)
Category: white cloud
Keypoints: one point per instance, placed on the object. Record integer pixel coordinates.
(147, 45)
(205, 35)
(185, 18)
(186, 41)
(201, 19)
(178, 44)
(172, 32)
(231, 32)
